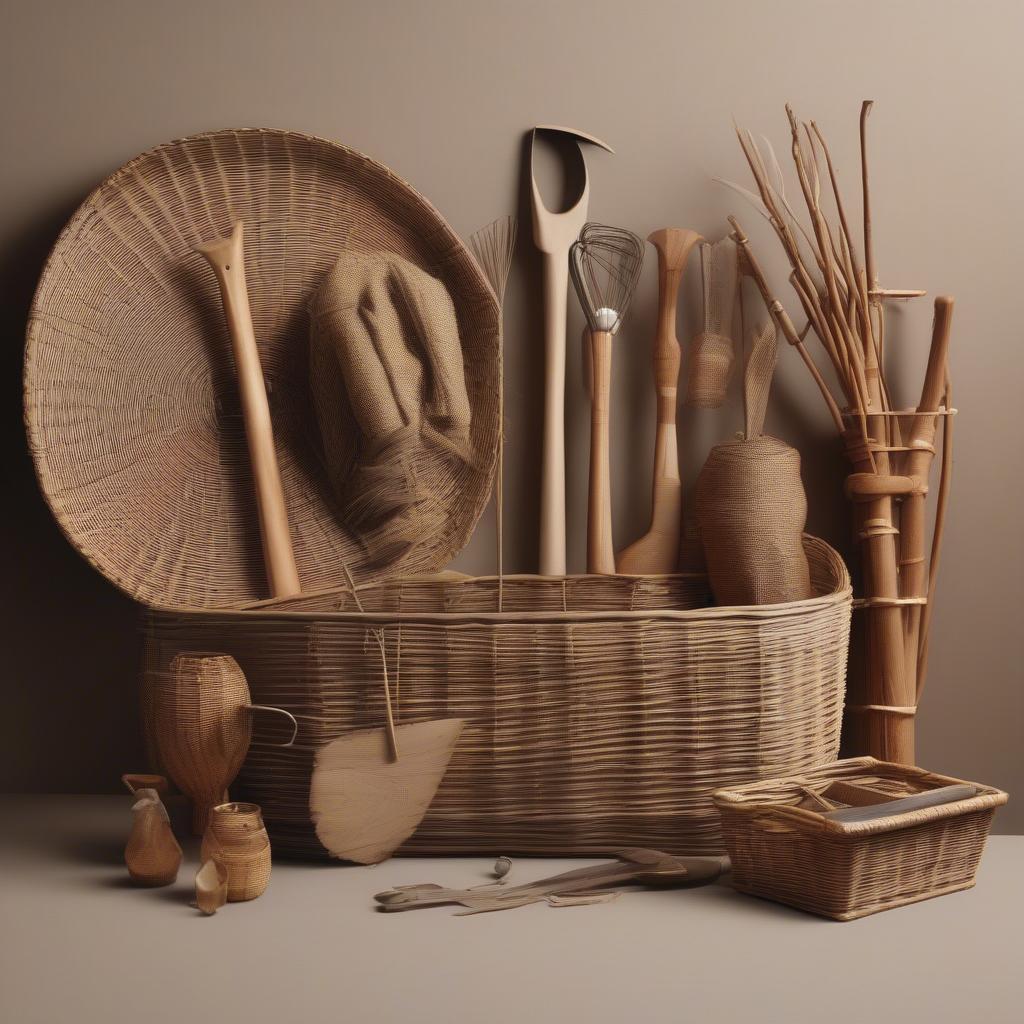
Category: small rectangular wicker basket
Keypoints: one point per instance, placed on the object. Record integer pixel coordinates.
(790, 853)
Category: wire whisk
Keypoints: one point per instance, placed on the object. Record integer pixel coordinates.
(605, 263)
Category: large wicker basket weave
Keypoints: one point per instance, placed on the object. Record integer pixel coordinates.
(601, 714)
(794, 855)
(131, 401)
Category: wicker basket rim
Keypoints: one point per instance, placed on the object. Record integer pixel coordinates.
(266, 611)
(85, 210)
(744, 799)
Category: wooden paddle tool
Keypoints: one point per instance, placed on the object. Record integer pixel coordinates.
(225, 256)
(364, 801)
(634, 867)
(658, 550)
(553, 234)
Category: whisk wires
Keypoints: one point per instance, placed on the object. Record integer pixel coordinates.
(605, 263)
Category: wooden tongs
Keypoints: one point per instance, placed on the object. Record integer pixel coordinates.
(633, 867)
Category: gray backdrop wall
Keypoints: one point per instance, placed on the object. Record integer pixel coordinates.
(442, 92)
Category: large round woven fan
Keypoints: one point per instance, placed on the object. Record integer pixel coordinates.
(131, 401)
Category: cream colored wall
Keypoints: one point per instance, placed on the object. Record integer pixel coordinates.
(442, 92)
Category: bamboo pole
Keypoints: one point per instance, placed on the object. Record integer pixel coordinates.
(846, 312)
(914, 578)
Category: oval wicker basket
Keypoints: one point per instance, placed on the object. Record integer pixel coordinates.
(130, 399)
(601, 713)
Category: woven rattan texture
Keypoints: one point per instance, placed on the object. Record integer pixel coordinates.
(237, 838)
(131, 402)
(790, 859)
(589, 729)
(197, 722)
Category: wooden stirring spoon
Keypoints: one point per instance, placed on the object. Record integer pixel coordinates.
(658, 550)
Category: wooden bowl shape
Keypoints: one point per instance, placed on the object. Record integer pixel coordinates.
(131, 400)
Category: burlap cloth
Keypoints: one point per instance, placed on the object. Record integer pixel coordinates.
(751, 506)
(385, 347)
(751, 510)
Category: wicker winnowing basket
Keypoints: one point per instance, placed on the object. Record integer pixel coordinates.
(601, 711)
(131, 400)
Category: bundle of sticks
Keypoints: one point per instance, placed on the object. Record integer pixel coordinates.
(891, 450)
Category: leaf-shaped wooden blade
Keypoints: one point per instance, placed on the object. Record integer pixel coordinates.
(363, 804)
(211, 886)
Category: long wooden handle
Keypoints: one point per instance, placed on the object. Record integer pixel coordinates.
(225, 255)
(552, 483)
(600, 551)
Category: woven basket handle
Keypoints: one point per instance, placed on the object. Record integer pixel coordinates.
(757, 379)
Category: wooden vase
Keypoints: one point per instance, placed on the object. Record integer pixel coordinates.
(236, 838)
(152, 854)
(202, 728)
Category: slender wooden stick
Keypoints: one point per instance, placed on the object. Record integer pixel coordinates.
(945, 478)
(914, 582)
(869, 252)
(600, 548)
(850, 248)
(782, 320)
(225, 256)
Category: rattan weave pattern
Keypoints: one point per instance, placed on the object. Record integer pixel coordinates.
(237, 838)
(794, 856)
(131, 404)
(600, 712)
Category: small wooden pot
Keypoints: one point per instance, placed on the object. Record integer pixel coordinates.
(236, 837)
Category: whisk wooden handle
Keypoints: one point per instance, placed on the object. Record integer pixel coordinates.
(225, 256)
(600, 550)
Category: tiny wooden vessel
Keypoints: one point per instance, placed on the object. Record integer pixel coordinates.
(152, 854)
(236, 838)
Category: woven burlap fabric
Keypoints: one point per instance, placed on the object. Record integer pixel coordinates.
(751, 511)
(389, 392)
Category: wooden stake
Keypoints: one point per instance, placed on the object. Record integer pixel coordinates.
(914, 578)
(784, 323)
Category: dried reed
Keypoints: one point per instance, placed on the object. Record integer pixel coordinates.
(493, 246)
(891, 450)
